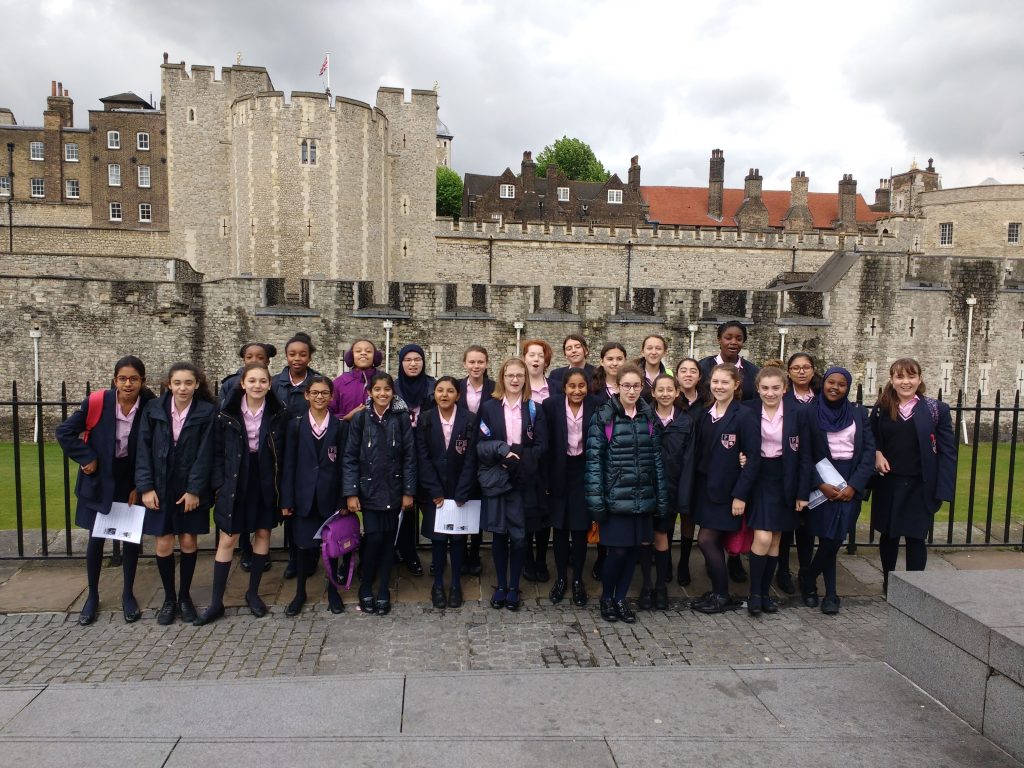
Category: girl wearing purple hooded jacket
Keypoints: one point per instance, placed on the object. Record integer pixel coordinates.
(352, 388)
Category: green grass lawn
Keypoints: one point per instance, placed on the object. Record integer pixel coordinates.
(55, 487)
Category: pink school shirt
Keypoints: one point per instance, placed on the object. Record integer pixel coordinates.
(771, 434)
(841, 443)
(574, 446)
(473, 397)
(540, 394)
(252, 423)
(178, 420)
(446, 427)
(513, 421)
(123, 428)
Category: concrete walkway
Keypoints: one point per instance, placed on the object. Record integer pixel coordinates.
(841, 715)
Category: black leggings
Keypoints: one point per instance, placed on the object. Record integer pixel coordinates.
(94, 564)
(712, 546)
(570, 548)
(378, 556)
(889, 548)
(824, 563)
(617, 575)
(508, 560)
(439, 551)
(804, 548)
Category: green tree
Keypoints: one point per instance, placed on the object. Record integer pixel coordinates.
(574, 158)
(449, 192)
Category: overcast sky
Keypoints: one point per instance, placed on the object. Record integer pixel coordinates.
(827, 88)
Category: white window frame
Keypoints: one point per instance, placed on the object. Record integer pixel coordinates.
(142, 141)
(70, 152)
(145, 213)
(113, 139)
(615, 196)
(1013, 233)
(36, 150)
(72, 189)
(945, 234)
(507, 191)
(113, 175)
(148, 181)
(563, 194)
(114, 211)
(41, 184)
(5, 186)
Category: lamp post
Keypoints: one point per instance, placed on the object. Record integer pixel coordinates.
(782, 343)
(35, 334)
(518, 325)
(10, 196)
(971, 301)
(692, 328)
(388, 325)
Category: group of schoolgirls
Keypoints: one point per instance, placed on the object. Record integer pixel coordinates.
(612, 453)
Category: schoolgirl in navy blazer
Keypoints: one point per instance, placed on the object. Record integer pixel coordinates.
(797, 466)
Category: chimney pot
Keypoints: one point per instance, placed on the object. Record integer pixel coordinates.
(53, 87)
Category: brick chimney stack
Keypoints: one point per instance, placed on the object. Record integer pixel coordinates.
(798, 216)
(529, 172)
(60, 102)
(882, 196)
(847, 204)
(716, 183)
(634, 173)
(753, 213)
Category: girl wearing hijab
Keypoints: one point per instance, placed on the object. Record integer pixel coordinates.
(416, 389)
(840, 432)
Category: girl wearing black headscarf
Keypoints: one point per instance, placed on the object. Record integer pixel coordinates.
(416, 389)
(840, 433)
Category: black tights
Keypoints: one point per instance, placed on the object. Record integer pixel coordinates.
(305, 564)
(824, 563)
(617, 575)
(378, 556)
(94, 564)
(570, 549)
(508, 560)
(712, 546)
(439, 551)
(804, 548)
(537, 543)
(889, 548)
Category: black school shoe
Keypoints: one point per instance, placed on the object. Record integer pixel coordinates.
(646, 600)
(165, 616)
(579, 593)
(187, 610)
(455, 597)
(256, 605)
(624, 612)
(754, 605)
(513, 599)
(661, 597)
(683, 573)
(437, 597)
(712, 603)
(784, 580)
(830, 605)
(608, 612)
(337, 605)
(736, 570)
(367, 604)
(768, 604)
(557, 593)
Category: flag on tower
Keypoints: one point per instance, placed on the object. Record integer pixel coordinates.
(325, 65)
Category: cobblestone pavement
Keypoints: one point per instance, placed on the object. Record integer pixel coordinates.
(51, 647)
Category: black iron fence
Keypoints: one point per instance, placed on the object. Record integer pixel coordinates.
(37, 481)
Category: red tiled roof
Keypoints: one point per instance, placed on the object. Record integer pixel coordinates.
(688, 206)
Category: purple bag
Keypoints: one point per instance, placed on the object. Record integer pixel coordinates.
(340, 537)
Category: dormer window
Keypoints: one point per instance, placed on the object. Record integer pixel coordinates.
(615, 196)
(563, 194)
(507, 191)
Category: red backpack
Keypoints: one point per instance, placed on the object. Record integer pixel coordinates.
(93, 412)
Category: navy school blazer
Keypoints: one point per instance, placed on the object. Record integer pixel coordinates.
(558, 439)
(936, 445)
(193, 454)
(748, 373)
(797, 467)
(96, 491)
(738, 430)
(863, 449)
(530, 446)
(450, 472)
(310, 474)
(485, 392)
(556, 379)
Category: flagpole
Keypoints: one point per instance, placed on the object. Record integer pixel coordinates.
(328, 71)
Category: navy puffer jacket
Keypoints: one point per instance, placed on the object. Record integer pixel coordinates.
(624, 474)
